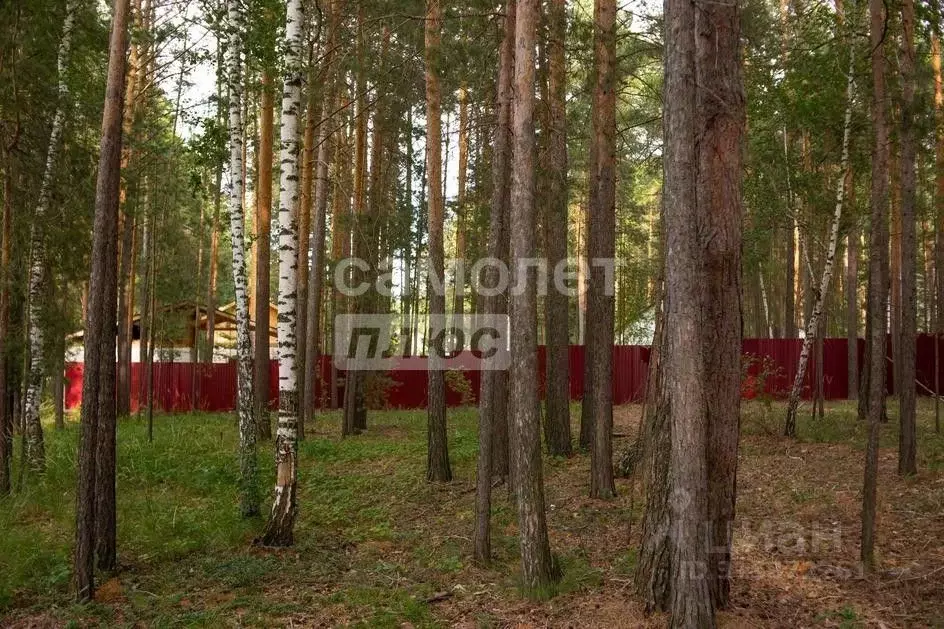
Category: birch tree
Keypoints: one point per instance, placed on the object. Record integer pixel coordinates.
(248, 473)
(812, 326)
(279, 530)
(35, 450)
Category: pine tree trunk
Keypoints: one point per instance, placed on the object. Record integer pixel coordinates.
(305, 200)
(6, 230)
(492, 391)
(524, 432)
(720, 128)
(263, 262)
(852, 300)
(690, 600)
(812, 324)
(355, 415)
(907, 443)
(597, 407)
(652, 569)
(557, 394)
(437, 463)
(878, 278)
(938, 208)
(312, 372)
(126, 261)
(35, 448)
(279, 530)
(248, 474)
(97, 391)
(461, 210)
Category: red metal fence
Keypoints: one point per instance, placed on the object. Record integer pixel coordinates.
(770, 367)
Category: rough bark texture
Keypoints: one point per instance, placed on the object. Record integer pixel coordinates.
(938, 203)
(907, 442)
(279, 530)
(263, 261)
(685, 558)
(812, 324)
(35, 449)
(878, 278)
(557, 394)
(437, 463)
(720, 123)
(690, 601)
(6, 229)
(652, 569)
(248, 474)
(493, 392)
(538, 571)
(597, 407)
(100, 321)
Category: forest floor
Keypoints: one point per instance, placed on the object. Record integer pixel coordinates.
(378, 546)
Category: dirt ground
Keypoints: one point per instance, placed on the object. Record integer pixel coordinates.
(796, 545)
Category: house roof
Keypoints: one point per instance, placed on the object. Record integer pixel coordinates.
(224, 318)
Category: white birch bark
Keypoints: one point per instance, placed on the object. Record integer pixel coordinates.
(279, 529)
(248, 484)
(812, 325)
(35, 450)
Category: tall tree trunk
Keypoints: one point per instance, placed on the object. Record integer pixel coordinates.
(461, 209)
(557, 390)
(279, 530)
(878, 278)
(852, 298)
(127, 228)
(597, 407)
(263, 262)
(35, 449)
(312, 372)
(938, 208)
(690, 600)
(720, 128)
(249, 497)
(437, 462)
(907, 443)
(98, 382)
(652, 569)
(306, 197)
(6, 231)
(355, 414)
(492, 390)
(524, 432)
(812, 324)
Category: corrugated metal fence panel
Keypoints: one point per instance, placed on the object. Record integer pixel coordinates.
(770, 367)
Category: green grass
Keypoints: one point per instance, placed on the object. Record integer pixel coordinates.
(841, 425)
(179, 529)
(374, 541)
